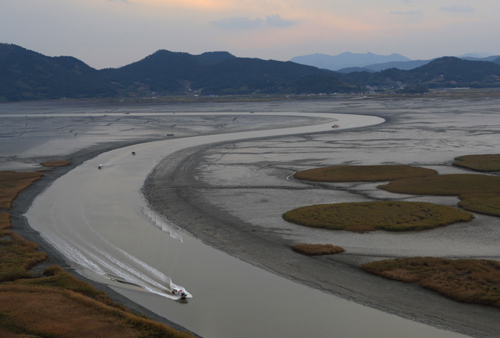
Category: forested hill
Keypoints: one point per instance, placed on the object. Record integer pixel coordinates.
(442, 72)
(27, 75)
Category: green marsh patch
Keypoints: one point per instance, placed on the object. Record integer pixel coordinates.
(445, 185)
(466, 280)
(369, 173)
(489, 162)
(488, 204)
(370, 216)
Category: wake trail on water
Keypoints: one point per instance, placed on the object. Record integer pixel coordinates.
(88, 249)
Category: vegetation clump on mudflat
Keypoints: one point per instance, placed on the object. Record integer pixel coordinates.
(317, 249)
(368, 173)
(466, 280)
(445, 185)
(56, 304)
(488, 204)
(56, 163)
(383, 215)
(487, 162)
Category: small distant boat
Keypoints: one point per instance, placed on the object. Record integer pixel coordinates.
(100, 166)
(133, 153)
(335, 126)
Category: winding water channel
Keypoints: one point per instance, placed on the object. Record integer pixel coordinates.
(96, 219)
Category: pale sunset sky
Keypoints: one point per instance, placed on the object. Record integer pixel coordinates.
(113, 33)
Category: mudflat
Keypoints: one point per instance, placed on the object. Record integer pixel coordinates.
(218, 207)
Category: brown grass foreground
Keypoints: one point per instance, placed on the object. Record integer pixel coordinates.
(48, 312)
(12, 183)
(56, 163)
(370, 216)
(317, 249)
(465, 280)
(445, 185)
(369, 173)
(490, 162)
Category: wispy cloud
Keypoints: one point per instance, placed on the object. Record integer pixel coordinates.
(246, 23)
(407, 13)
(237, 22)
(457, 9)
(276, 21)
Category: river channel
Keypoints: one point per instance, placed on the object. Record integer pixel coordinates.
(97, 220)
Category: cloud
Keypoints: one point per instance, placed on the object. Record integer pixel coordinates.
(246, 23)
(276, 21)
(407, 13)
(237, 23)
(457, 9)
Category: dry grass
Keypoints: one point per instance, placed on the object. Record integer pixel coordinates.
(56, 163)
(48, 312)
(488, 204)
(445, 185)
(372, 173)
(4, 222)
(56, 277)
(317, 249)
(479, 162)
(370, 216)
(12, 183)
(17, 256)
(465, 280)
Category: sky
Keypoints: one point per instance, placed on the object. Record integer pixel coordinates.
(114, 33)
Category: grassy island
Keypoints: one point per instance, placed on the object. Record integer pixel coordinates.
(317, 249)
(466, 280)
(370, 216)
(368, 173)
(56, 163)
(489, 162)
(488, 204)
(445, 185)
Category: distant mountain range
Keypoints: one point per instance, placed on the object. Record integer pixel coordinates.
(28, 75)
(346, 60)
(353, 62)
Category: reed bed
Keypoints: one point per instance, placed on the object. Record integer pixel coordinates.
(370, 216)
(490, 162)
(369, 173)
(48, 312)
(317, 249)
(12, 183)
(488, 204)
(465, 280)
(445, 185)
(56, 163)
(17, 256)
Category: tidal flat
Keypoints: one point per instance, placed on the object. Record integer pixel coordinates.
(249, 183)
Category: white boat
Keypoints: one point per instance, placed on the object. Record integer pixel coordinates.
(179, 291)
